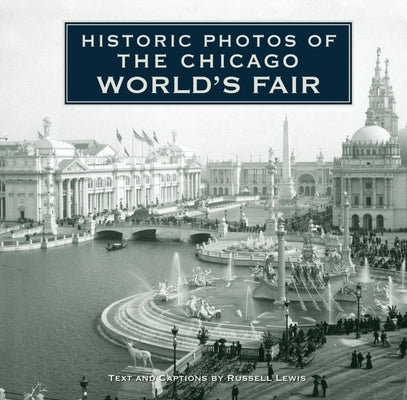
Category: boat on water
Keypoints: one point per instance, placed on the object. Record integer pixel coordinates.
(116, 246)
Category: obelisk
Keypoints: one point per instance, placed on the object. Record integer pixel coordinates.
(286, 186)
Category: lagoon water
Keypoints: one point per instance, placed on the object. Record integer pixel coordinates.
(50, 302)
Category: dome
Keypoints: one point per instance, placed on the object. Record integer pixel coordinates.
(403, 144)
(370, 134)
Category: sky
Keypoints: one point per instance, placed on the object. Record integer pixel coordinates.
(32, 77)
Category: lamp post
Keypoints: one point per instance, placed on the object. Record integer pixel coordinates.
(43, 230)
(174, 332)
(358, 296)
(84, 383)
(287, 305)
(39, 215)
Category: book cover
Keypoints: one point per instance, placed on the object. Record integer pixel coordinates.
(188, 115)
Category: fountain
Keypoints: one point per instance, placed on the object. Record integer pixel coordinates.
(390, 291)
(309, 277)
(261, 238)
(249, 305)
(330, 304)
(365, 277)
(229, 271)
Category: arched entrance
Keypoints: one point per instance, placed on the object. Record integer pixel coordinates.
(367, 222)
(379, 222)
(355, 221)
(306, 184)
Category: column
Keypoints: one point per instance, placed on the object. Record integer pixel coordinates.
(186, 186)
(197, 185)
(391, 192)
(281, 263)
(61, 198)
(85, 196)
(360, 192)
(346, 259)
(350, 191)
(374, 192)
(191, 186)
(76, 196)
(385, 193)
(68, 199)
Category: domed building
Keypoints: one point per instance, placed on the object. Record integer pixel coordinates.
(372, 170)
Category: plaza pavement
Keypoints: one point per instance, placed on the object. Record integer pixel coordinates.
(387, 380)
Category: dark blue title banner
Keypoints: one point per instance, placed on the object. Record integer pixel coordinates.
(232, 63)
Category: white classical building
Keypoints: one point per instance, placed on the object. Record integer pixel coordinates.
(373, 166)
(82, 177)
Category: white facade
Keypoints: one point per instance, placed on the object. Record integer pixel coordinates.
(48, 176)
(373, 166)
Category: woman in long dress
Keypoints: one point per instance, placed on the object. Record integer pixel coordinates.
(315, 392)
(369, 364)
(354, 363)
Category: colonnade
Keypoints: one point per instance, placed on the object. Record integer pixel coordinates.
(192, 183)
(74, 197)
(372, 192)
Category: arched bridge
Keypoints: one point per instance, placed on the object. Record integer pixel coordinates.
(148, 229)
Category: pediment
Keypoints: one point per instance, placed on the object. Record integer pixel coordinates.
(73, 166)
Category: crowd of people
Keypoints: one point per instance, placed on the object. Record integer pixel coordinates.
(379, 253)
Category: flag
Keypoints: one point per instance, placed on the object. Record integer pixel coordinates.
(40, 135)
(119, 137)
(137, 136)
(127, 153)
(155, 137)
(147, 139)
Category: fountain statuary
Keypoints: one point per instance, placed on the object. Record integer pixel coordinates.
(199, 278)
(137, 354)
(197, 307)
(165, 292)
(307, 279)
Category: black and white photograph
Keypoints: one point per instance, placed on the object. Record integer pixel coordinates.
(203, 200)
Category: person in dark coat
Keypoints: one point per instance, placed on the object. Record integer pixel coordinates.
(376, 337)
(315, 392)
(354, 362)
(360, 359)
(238, 348)
(261, 353)
(232, 350)
(383, 337)
(235, 392)
(270, 371)
(216, 346)
(369, 364)
(324, 386)
(403, 347)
